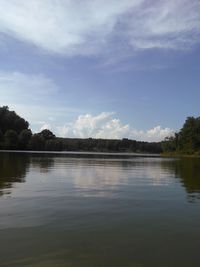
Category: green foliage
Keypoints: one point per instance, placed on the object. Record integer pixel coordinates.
(9, 120)
(1, 135)
(12, 127)
(24, 139)
(109, 145)
(169, 144)
(187, 141)
(37, 142)
(11, 139)
(53, 145)
(189, 135)
(47, 134)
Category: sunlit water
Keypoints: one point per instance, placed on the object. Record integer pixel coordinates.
(68, 211)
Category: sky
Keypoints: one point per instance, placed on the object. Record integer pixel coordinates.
(101, 69)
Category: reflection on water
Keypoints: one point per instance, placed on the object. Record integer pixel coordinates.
(95, 175)
(44, 163)
(187, 171)
(13, 170)
(103, 212)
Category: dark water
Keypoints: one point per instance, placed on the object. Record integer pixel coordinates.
(62, 211)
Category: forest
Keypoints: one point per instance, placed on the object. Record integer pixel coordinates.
(186, 141)
(15, 134)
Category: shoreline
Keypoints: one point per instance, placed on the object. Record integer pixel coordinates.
(171, 155)
(111, 154)
(128, 154)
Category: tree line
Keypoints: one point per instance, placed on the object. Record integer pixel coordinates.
(16, 134)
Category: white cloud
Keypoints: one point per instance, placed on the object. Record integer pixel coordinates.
(171, 24)
(26, 94)
(62, 26)
(46, 126)
(90, 27)
(106, 126)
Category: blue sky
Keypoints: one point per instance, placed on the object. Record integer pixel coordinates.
(96, 68)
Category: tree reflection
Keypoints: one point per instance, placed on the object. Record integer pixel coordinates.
(13, 169)
(99, 175)
(187, 170)
(43, 162)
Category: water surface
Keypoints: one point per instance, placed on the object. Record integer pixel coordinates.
(69, 211)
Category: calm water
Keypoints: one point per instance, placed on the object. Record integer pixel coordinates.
(68, 211)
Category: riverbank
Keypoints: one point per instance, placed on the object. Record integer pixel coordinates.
(178, 155)
(84, 153)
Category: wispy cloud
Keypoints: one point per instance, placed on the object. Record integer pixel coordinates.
(106, 125)
(33, 96)
(94, 27)
(23, 88)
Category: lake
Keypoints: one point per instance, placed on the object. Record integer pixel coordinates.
(99, 211)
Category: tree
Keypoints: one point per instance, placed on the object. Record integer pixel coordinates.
(9, 120)
(24, 138)
(53, 145)
(47, 134)
(20, 124)
(189, 135)
(1, 140)
(37, 142)
(187, 140)
(1, 135)
(169, 144)
(11, 139)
